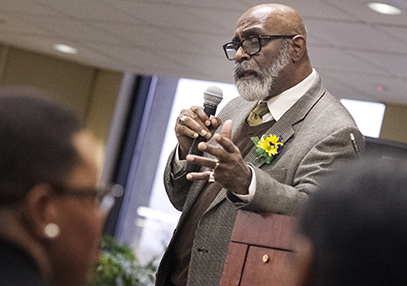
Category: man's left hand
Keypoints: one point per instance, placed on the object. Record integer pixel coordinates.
(230, 169)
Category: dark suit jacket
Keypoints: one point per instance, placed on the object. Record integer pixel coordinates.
(316, 134)
(17, 267)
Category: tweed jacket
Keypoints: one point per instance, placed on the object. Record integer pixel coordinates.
(316, 133)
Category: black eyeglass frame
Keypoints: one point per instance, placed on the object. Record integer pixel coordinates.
(259, 38)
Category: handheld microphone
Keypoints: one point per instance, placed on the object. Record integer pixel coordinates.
(212, 97)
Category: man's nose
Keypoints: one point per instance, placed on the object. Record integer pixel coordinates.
(241, 55)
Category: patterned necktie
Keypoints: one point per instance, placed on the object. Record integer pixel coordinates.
(255, 116)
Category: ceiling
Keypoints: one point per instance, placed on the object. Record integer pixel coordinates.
(353, 48)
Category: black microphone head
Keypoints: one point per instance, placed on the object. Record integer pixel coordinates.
(213, 95)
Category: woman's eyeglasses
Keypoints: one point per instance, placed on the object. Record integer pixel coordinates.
(103, 197)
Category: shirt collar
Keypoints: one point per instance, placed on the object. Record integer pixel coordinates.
(279, 104)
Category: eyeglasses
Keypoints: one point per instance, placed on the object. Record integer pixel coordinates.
(251, 45)
(103, 197)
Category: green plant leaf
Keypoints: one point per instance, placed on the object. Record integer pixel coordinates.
(119, 262)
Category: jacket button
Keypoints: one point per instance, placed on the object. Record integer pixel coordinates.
(266, 258)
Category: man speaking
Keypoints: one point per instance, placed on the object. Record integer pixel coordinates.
(268, 150)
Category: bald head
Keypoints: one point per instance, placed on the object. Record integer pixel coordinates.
(281, 17)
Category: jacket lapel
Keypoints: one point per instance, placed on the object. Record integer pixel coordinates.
(283, 127)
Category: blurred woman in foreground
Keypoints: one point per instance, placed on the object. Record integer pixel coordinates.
(51, 212)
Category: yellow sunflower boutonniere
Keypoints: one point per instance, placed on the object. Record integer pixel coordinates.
(268, 146)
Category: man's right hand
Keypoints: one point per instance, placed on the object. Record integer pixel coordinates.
(196, 122)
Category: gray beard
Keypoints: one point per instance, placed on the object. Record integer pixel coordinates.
(259, 87)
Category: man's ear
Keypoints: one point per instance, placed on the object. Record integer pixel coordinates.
(39, 210)
(299, 44)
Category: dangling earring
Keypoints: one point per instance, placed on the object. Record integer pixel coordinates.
(52, 230)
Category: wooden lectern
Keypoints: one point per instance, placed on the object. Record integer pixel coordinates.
(259, 250)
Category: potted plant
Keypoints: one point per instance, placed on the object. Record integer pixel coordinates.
(120, 266)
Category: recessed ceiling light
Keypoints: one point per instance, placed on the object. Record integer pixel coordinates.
(65, 49)
(384, 8)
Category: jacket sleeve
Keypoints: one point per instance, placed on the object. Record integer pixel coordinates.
(176, 185)
(285, 189)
